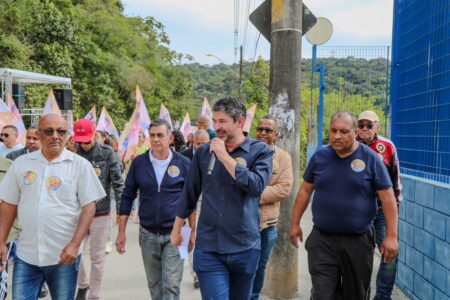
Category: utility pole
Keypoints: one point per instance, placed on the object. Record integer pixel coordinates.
(241, 62)
(284, 99)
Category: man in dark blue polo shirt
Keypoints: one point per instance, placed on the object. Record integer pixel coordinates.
(346, 176)
(228, 242)
(159, 175)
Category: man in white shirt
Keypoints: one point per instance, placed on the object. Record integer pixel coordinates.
(54, 193)
(9, 137)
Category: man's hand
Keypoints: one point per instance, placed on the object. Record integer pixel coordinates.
(120, 243)
(218, 147)
(3, 256)
(191, 243)
(176, 237)
(389, 249)
(69, 254)
(296, 234)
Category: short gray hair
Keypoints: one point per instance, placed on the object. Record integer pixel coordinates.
(160, 122)
(200, 133)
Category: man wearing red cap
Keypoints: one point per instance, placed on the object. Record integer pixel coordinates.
(107, 168)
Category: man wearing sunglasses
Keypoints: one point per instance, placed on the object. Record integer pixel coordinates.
(9, 137)
(279, 187)
(368, 125)
(53, 192)
(107, 168)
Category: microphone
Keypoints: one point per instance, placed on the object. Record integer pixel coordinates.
(212, 161)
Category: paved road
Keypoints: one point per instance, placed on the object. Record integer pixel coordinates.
(125, 277)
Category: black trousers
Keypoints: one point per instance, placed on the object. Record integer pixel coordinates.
(340, 265)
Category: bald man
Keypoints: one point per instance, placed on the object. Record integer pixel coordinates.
(204, 122)
(53, 192)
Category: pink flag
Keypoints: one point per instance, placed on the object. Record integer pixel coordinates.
(70, 122)
(165, 115)
(105, 123)
(249, 119)
(92, 115)
(18, 121)
(186, 128)
(207, 111)
(143, 112)
(128, 142)
(51, 106)
(3, 106)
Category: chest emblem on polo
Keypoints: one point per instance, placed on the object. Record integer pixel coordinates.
(29, 178)
(52, 183)
(98, 171)
(358, 165)
(173, 171)
(381, 148)
(241, 161)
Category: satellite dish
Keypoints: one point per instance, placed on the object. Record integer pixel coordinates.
(321, 32)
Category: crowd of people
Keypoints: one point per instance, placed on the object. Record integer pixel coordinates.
(56, 197)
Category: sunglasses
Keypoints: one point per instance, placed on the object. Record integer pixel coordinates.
(51, 132)
(83, 143)
(6, 135)
(368, 125)
(261, 129)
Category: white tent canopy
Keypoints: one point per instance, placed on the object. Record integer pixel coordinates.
(10, 76)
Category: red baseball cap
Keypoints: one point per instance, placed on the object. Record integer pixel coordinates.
(83, 130)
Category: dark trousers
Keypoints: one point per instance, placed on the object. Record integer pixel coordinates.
(340, 265)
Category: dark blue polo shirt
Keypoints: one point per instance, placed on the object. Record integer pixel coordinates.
(229, 218)
(345, 189)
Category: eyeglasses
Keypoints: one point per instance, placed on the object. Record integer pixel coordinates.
(261, 129)
(51, 132)
(368, 125)
(6, 135)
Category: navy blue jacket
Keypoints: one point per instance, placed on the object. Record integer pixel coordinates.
(157, 204)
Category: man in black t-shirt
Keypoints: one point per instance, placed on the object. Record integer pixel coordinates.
(346, 177)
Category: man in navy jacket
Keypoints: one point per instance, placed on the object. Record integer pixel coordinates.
(159, 175)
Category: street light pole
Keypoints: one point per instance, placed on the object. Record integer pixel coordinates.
(216, 57)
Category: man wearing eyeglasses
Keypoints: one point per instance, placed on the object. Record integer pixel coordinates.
(107, 168)
(279, 187)
(368, 125)
(53, 191)
(9, 137)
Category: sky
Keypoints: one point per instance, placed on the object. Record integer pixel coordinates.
(202, 27)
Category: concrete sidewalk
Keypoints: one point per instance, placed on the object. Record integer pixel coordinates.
(125, 277)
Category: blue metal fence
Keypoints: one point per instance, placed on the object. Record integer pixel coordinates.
(420, 87)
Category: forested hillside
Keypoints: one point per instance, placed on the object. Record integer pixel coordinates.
(107, 53)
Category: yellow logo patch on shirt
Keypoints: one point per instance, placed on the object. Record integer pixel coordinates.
(241, 161)
(358, 165)
(173, 171)
(52, 183)
(29, 178)
(98, 171)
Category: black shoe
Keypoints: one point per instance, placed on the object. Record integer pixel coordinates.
(81, 294)
(44, 292)
(196, 283)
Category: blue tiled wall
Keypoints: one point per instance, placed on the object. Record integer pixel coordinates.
(424, 233)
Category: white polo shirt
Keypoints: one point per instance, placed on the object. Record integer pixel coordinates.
(49, 196)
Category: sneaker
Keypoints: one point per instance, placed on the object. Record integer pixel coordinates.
(109, 247)
(196, 283)
(81, 294)
(44, 292)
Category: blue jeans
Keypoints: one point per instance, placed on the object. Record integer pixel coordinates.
(387, 271)
(268, 240)
(163, 265)
(227, 275)
(28, 280)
